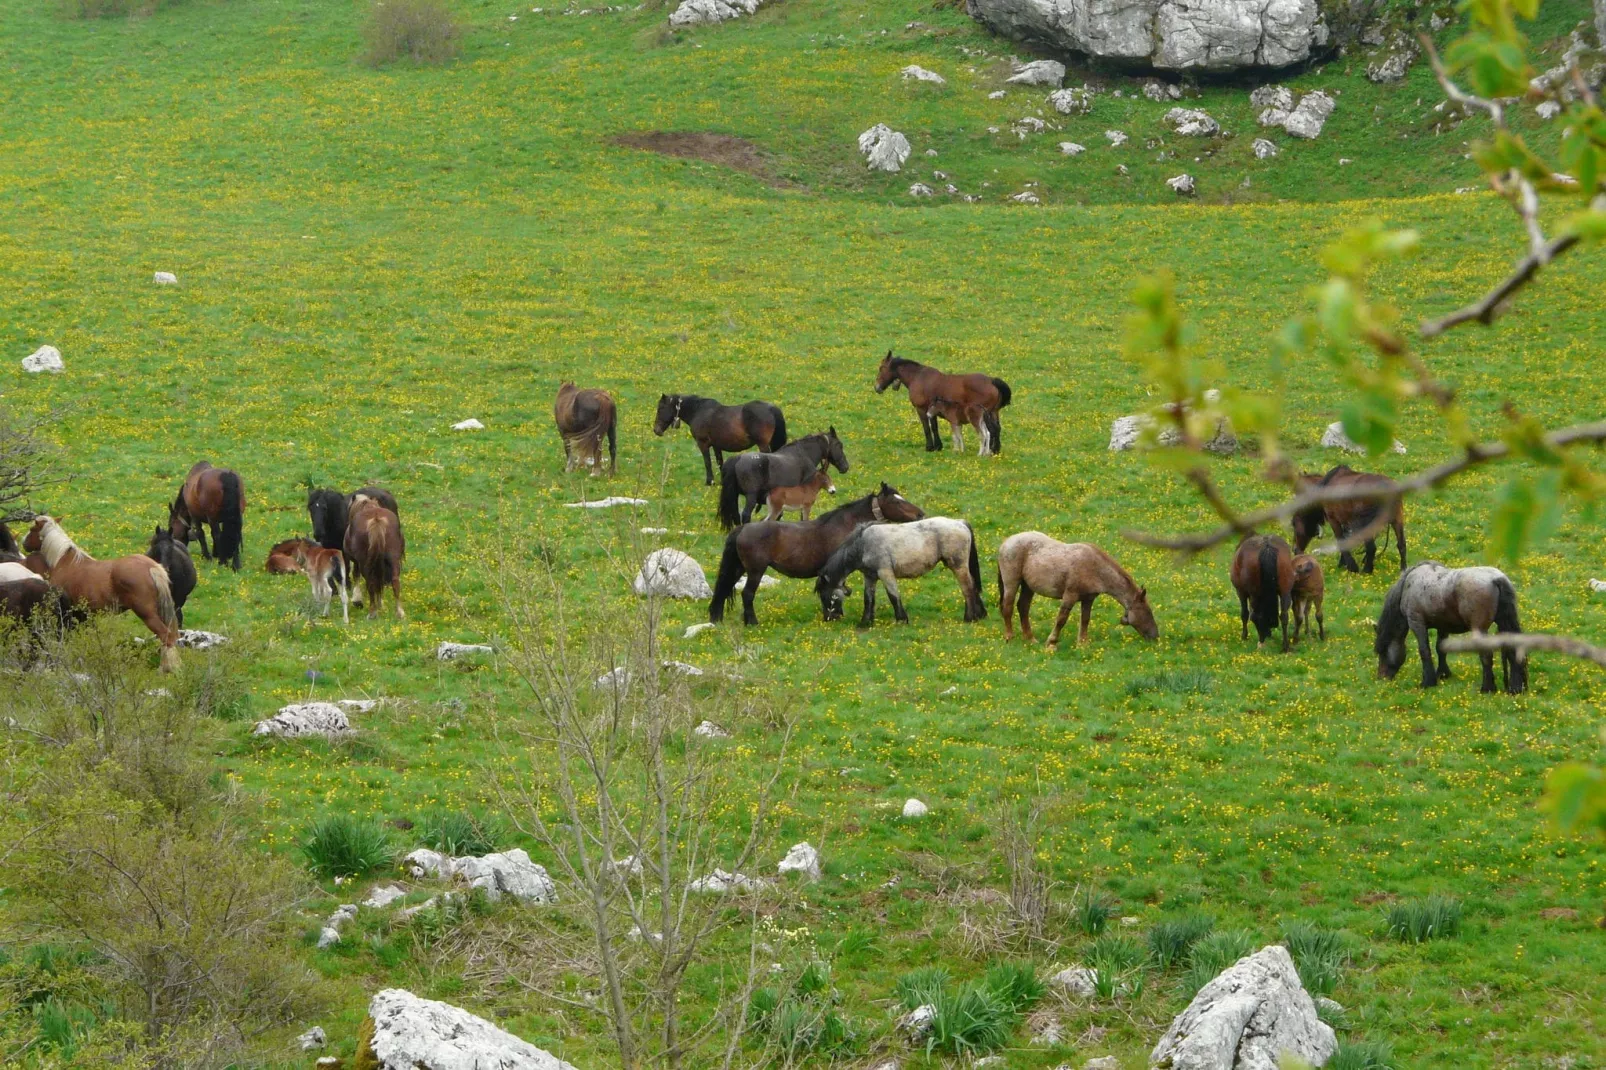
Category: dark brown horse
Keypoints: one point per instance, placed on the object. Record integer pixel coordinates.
(9, 550)
(755, 474)
(375, 546)
(583, 417)
(722, 428)
(929, 387)
(1373, 515)
(38, 606)
(1263, 576)
(797, 549)
(214, 497)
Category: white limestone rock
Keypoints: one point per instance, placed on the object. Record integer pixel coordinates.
(448, 651)
(305, 719)
(1391, 65)
(697, 629)
(470, 424)
(802, 858)
(917, 1023)
(1191, 122)
(1103, 1062)
(914, 809)
(1039, 72)
(497, 874)
(710, 12)
(165, 278)
(1077, 980)
(1116, 138)
(1077, 101)
(671, 573)
(920, 189)
(422, 1034)
(764, 581)
(1264, 150)
(1161, 91)
(1334, 438)
(1030, 124)
(380, 898)
(1251, 1017)
(710, 730)
(192, 639)
(1025, 197)
(605, 503)
(1273, 97)
(1548, 109)
(1597, 585)
(1309, 116)
(1071, 148)
(1181, 185)
(883, 148)
(1127, 431)
(920, 74)
(722, 882)
(312, 1039)
(44, 359)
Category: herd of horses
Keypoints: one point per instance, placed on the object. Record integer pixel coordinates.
(882, 536)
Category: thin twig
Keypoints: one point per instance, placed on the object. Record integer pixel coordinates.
(1524, 643)
(1487, 307)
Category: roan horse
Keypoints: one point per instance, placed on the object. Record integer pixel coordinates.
(887, 553)
(134, 582)
(797, 549)
(376, 549)
(1375, 515)
(174, 556)
(1263, 575)
(214, 497)
(583, 417)
(1453, 601)
(928, 385)
(722, 428)
(754, 474)
(1077, 572)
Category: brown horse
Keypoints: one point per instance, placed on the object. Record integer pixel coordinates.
(375, 546)
(801, 496)
(37, 606)
(214, 497)
(721, 428)
(1077, 572)
(583, 417)
(282, 558)
(1263, 574)
(1309, 589)
(797, 549)
(1373, 515)
(9, 550)
(927, 385)
(326, 571)
(134, 582)
(958, 414)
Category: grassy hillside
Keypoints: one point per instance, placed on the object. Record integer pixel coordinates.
(366, 257)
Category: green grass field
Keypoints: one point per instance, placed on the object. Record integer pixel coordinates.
(366, 257)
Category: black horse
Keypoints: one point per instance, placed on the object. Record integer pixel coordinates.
(754, 475)
(330, 511)
(722, 428)
(174, 556)
(9, 550)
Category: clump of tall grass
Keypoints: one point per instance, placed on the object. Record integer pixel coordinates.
(1116, 961)
(1016, 983)
(1319, 954)
(1090, 909)
(1420, 920)
(1171, 681)
(1213, 953)
(455, 832)
(920, 987)
(1362, 1055)
(422, 31)
(1170, 941)
(344, 845)
(969, 1021)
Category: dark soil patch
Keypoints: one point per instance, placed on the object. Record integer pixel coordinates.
(737, 153)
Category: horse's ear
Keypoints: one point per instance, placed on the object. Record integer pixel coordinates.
(1143, 592)
(831, 430)
(889, 354)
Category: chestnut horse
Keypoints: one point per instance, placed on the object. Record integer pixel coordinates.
(1263, 574)
(583, 417)
(928, 386)
(282, 558)
(721, 428)
(1309, 589)
(802, 496)
(1075, 573)
(376, 549)
(1376, 515)
(134, 582)
(214, 497)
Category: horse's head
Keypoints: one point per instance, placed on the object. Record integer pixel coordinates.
(1140, 617)
(895, 508)
(178, 521)
(832, 594)
(887, 374)
(668, 414)
(1307, 524)
(824, 475)
(34, 541)
(1390, 656)
(834, 451)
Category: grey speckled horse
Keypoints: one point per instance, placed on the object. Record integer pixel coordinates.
(891, 552)
(1452, 601)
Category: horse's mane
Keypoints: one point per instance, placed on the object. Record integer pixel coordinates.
(845, 508)
(1337, 469)
(8, 542)
(839, 564)
(56, 543)
(1391, 622)
(904, 362)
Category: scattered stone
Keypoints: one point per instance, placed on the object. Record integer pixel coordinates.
(1071, 148)
(452, 651)
(1103, 1062)
(1309, 117)
(710, 730)
(470, 424)
(1115, 137)
(1072, 101)
(1274, 97)
(628, 866)
(1597, 585)
(654, 531)
(883, 148)
(1392, 65)
(305, 719)
(1025, 197)
(802, 858)
(1048, 1032)
(327, 938)
(1329, 1006)
(920, 74)
(914, 808)
(1039, 72)
(380, 898)
(721, 882)
(1156, 91)
(1030, 124)
(422, 1034)
(329, 935)
(605, 503)
(1548, 109)
(614, 678)
(1077, 980)
(997, 94)
(696, 629)
(920, 189)
(1264, 150)
(328, 1062)
(1253, 1015)
(1335, 438)
(1121, 169)
(1181, 185)
(503, 872)
(917, 1023)
(358, 705)
(708, 12)
(312, 1039)
(165, 278)
(1192, 122)
(199, 640)
(1126, 432)
(44, 359)
(1130, 921)
(670, 573)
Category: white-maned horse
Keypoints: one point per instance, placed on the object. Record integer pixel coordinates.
(887, 553)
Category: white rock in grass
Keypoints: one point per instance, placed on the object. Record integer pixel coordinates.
(1253, 1016)
(312, 1039)
(1548, 109)
(1072, 101)
(1077, 980)
(198, 640)
(1181, 185)
(1030, 124)
(914, 808)
(709, 12)
(721, 882)
(383, 897)
(1191, 122)
(605, 503)
(917, 1023)
(1274, 97)
(683, 669)
(507, 873)
(1126, 432)
(920, 189)
(426, 863)
(328, 1062)
(883, 148)
(422, 1034)
(470, 424)
(1116, 138)
(305, 719)
(166, 278)
(670, 573)
(997, 94)
(1103, 1062)
(920, 74)
(1334, 438)
(1597, 585)
(44, 359)
(1071, 148)
(1025, 197)
(710, 730)
(618, 678)
(1039, 72)
(802, 858)
(764, 581)
(358, 705)
(452, 651)
(697, 629)
(328, 937)
(1308, 118)
(1264, 150)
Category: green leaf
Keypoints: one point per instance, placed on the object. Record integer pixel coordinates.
(1575, 797)
(1527, 511)
(1369, 420)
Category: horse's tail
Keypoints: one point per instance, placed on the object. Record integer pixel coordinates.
(730, 569)
(975, 573)
(730, 492)
(778, 436)
(1268, 597)
(1505, 613)
(613, 431)
(381, 570)
(230, 521)
(995, 431)
(1004, 393)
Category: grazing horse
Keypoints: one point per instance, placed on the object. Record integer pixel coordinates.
(928, 385)
(721, 428)
(801, 496)
(282, 558)
(1309, 587)
(891, 552)
(326, 571)
(376, 549)
(797, 549)
(755, 474)
(1076, 572)
(174, 556)
(214, 497)
(134, 582)
(958, 414)
(1453, 601)
(583, 417)
(35, 603)
(1263, 574)
(1376, 515)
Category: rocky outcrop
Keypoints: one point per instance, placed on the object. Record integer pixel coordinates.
(506, 872)
(305, 719)
(802, 858)
(1191, 122)
(1334, 438)
(883, 148)
(1263, 149)
(1253, 1015)
(1305, 119)
(1077, 101)
(410, 1033)
(1039, 72)
(706, 12)
(1201, 35)
(670, 573)
(44, 359)
(1182, 185)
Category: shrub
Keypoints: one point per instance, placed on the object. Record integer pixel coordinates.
(458, 833)
(1213, 953)
(1425, 919)
(969, 1021)
(1362, 1055)
(1114, 959)
(1319, 954)
(420, 30)
(1091, 909)
(1171, 681)
(920, 987)
(1170, 941)
(1016, 983)
(343, 845)
(855, 943)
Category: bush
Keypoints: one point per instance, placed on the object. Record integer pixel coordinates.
(920, 987)
(1114, 959)
(420, 30)
(343, 845)
(1425, 919)
(1016, 983)
(971, 1021)
(1214, 953)
(1170, 941)
(1171, 681)
(459, 833)
(1091, 910)
(1319, 954)
(1362, 1055)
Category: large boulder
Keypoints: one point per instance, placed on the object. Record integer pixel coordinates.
(305, 719)
(1305, 119)
(883, 148)
(44, 359)
(505, 872)
(1253, 1015)
(1191, 122)
(705, 12)
(670, 573)
(1039, 72)
(410, 1033)
(1204, 35)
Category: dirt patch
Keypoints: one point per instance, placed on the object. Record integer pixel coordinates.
(1559, 914)
(737, 153)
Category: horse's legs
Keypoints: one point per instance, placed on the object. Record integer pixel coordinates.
(708, 466)
(1371, 556)
(395, 589)
(867, 618)
(375, 593)
(1087, 616)
(1321, 628)
(1444, 666)
(1399, 539)
(776, 509)
(980, 426)
(933, 436)
(200, 534)
(1243, 615)
(807, 506)
(1006, 604)
(1026, 596)
(1059, 621)
(749, 591)
(957, 433)
(1282, 605)
(1425, 649)
(1300, 607)
(1346, 559)
(166, 634)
